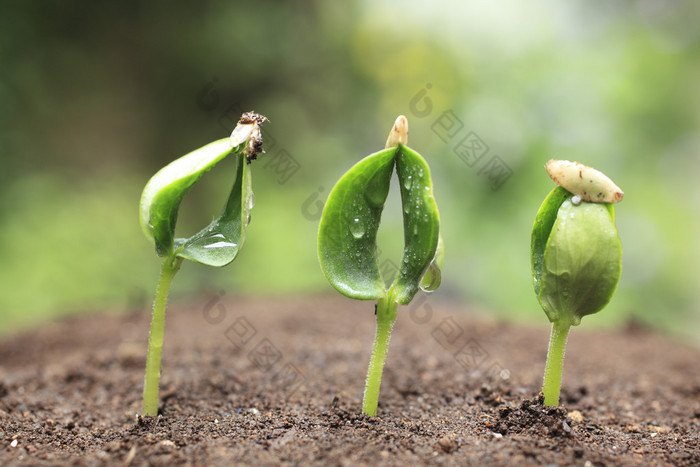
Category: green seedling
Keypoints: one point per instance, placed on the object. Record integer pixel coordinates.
(576, 256)
(347, 240)
(217, 244)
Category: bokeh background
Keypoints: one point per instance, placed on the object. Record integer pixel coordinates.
(95, 97)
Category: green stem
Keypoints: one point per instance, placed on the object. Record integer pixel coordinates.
(155, 340)
(386, 316)
(555, 362)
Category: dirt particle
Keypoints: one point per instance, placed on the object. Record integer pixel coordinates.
(660, 429)
(532, 416)
(447, 445)
(575, 416)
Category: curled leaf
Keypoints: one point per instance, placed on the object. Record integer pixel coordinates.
(347, 235)
(421, 224)
(544, 221)
(218, 243)
(576, 257)
(161, 198)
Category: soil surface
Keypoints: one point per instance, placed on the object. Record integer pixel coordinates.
(263, 382)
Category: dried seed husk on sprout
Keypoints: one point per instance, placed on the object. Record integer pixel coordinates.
(585, 182)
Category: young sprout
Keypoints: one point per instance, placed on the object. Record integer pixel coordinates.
(215, 245)
(576, 256)
(347, 240)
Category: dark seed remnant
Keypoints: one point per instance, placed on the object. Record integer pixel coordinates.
(255, 141)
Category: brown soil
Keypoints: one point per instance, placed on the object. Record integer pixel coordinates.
(280, 382)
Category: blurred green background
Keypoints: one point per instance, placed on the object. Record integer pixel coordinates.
(95, 97)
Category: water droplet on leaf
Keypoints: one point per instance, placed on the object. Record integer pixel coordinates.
(432, 278)
(356, 228)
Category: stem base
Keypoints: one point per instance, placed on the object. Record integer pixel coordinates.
(386, 317)
(168, 270)
(555, 363)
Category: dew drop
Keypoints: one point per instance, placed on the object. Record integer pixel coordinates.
(415, 229)
(214, 249)
(251, 200)
(408, 182)
(432, 278)
(356, 228)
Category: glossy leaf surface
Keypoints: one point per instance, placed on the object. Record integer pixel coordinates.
(351, 217)
(347, 236)
(421, 224)
(161, 198)
(546, 216)
(576, 257)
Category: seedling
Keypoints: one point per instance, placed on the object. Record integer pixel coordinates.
(576, 256)
(347, 240)
(217, 244)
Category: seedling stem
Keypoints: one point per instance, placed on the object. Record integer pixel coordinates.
(555, 362)
(169, 268)
(386, 317)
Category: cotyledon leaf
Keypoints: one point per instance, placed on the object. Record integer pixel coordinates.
(164, 192)
(544, 221)
(218, 243)
(581, 261)
(421, 223)
(347, 235)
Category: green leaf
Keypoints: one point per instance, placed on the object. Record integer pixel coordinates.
(347, 236)
(164, 192)
(581, 265)
(218, 243)
(421, 224)
(544, 221)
